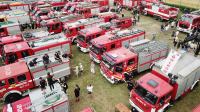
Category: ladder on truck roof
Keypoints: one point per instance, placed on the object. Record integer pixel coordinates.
(57, 38)
(196, 12)
(149, 47)
(36, 33)
(125, 33)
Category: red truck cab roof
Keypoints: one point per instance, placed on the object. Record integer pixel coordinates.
(102, 40)
(90, 31)
(11, 39)
(13, 69)
(15, 47)
(120, 55)
(155, 85)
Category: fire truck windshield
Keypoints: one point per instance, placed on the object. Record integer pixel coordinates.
(146, 95)
(107, 63)
(187, 19)
(96, 50)
(81, 37)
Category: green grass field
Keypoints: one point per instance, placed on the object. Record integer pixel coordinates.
(188, 3)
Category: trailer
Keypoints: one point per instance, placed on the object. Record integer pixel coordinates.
(52, 101)
(138, 58)
(170, 79)
(20, 77)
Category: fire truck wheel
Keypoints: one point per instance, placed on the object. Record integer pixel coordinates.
(75, 41)
(144, 13)
(12, 97)
(160, 19)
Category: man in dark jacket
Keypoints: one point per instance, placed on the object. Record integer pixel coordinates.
(50, 81)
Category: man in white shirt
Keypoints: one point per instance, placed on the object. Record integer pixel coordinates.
(90, 90)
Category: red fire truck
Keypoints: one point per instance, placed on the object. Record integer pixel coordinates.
(169, 80)
(99, 2)
(12, 52)
(56, 25)
(88, 10)
(72, 28)
(10, 5)
(122, 22)
(108, 16)
(161, 11)
(20, 77)
(188, 22)
(112, 41)
(53, 101)
(136, 59)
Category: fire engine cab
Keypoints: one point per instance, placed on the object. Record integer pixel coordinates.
(112, 41)
(161, 11)
(107, 16)
(188, 22)
(20, 77)
(138, 58)
(53, 101)
(85, 35)
(88, 10)
(56, 25)
(10, 22)
(72, 28)
(169, 80)
(12, 52)
(10, 39)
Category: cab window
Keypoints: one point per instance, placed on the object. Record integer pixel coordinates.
(25, 54)
(2, 83)
(11, 81)
(98, 35)
(130, 62)
(21, 78)
(12, 58)
(112, 46)
(119, 68)
(56, 26)
(1, 30)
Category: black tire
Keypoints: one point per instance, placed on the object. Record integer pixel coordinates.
(12, 97)
(75, 41)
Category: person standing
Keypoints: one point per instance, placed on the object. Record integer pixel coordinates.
(77, 71)
(130, 85)
(92, 67)
(77, 93)
(80, 68)
(90, 89)
(50, 81)
(42, 84)
(138, 17)
(46, 60)
(64, 86)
